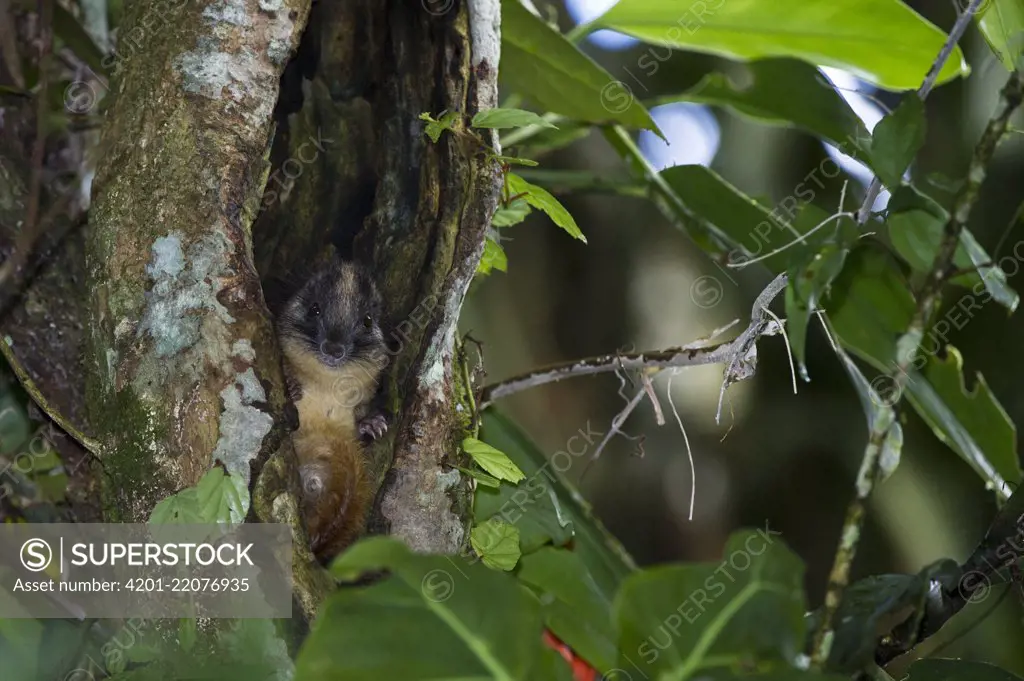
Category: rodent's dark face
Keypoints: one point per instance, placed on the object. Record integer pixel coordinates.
(336, 315)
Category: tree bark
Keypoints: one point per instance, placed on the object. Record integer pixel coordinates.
(183, 367)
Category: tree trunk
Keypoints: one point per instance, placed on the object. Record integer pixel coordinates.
(183, 368)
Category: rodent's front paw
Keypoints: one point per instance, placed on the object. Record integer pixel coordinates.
(372, 427)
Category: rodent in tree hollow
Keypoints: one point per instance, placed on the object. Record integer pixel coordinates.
(334, 353)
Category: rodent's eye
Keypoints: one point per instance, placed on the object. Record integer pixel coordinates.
(314, 310)
(368, 322)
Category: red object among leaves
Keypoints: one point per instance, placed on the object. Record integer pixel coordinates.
(581, 671)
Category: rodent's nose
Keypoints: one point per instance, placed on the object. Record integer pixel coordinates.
(333, 349)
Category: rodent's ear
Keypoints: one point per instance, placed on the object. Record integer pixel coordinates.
(277, 291)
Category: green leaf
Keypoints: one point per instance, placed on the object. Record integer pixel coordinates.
(938, 669)
(882, 41)
(1002, 24)
(785, 91)
(180, 508)
(809, 283)
(480, 477)
(493, 258)
(539, 63)
(67, 28)
(516, 161)
(15, 427)
(683, 619)
(574, 608)
(509, 118)
(541, 199)
(513, 214)
(916, 225)
(897, 139)
(454, 619)
(222, 498)
(492, 460)
(735, 219)
(870, 308)
(497, 544)
(971, 422)
(435, 127)
(546, 508)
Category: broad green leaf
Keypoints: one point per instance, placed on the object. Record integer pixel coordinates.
(493, 258)
(871, 306)
(738, 221)
(497, 544)
(180, 508)
(509, 118)
(574, 608)
(916, 225)
(971, 422)
(546, 508)
(785, 91)
(881, 41)
(677, 621)
(1002, 24)
(870, 309)
(539, 63)
(480, 477)
(20, 641)
(938, 669)
(451, 618)
(896, 140)
(222, 498)
(541, 199)
(876, 604)
(492, 460)
(513, 214)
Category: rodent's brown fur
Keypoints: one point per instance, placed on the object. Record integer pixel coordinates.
(329, 399)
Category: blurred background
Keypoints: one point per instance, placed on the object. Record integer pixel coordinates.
(777, 459)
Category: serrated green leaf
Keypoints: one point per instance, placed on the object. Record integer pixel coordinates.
(677, 620)
(971, 422)
(574, 608)
(845, 34)
(539, 63)
(493, 258)
(455, 619)
(938, 669)
(896, 140)
(435, 127)
(509, 118)
(497, 544)
(180, 508)
(541, 199)
(492, 460)
(1002, 24)
(870, 309)
(785, 91)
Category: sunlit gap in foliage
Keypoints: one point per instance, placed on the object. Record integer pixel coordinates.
(586, 10)
(869, 112)
(693, 136)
